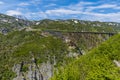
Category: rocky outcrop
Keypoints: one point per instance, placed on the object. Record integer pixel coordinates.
(33, 71)
(46, 70)
(17, 69)
(117, 63)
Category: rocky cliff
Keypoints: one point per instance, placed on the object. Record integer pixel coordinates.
(33, 71)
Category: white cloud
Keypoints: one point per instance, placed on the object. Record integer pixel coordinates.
(103, 6)
(62, 11)
(82, 8)
(117, 8)
(50, 5)
(24, 4)
(13, 12)
(1, 2)
(102, 17)
(36, 2)
(36, 15)
(85, 3)
(86, 9)
(107, 6)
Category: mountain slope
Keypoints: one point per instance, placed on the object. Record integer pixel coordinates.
(102, 63)
(19, 48)
(10, 23)
(32, 49)
(78, 25)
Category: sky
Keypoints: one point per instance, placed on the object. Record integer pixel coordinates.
(93, 10)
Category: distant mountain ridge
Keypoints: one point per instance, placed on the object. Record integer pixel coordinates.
(9, 23)
(17, 22)
(77, 25)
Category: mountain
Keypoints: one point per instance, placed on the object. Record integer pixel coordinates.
(23, 52)
(78, 25)
(101, 63)
(10, 23)
(34, 50)
(17, 22)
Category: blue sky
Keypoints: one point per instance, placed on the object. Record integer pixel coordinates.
(94, 10)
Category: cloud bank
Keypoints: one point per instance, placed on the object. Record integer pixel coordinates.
(39, 9)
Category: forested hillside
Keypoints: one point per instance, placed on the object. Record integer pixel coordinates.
(10, 23)
(34, 50)
(77, 25)
(22, 46)
(101, 63)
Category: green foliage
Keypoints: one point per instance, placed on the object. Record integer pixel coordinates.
(96, 65)
(22, 46)
(70, 25)
(25, 68)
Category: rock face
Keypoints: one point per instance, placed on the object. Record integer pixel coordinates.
(17, 69)
(47, 70)
(117, 63)
(33, 71)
